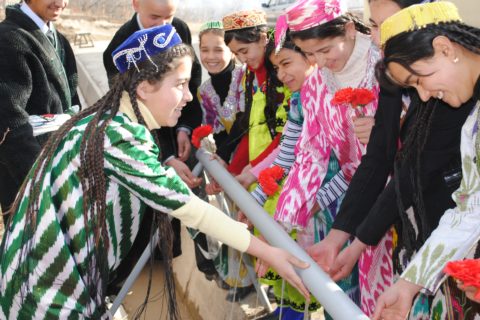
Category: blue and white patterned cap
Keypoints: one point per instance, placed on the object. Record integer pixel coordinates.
(143, 44)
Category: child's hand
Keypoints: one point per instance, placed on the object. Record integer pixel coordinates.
(470, 291)
(241, 217)
(346, 260)
(246, 178)
(261, 266)
(363, 127)
(396, 302)
(326, 251)
(281, 261)
(184, 173)
(213, 187)
(184, 145)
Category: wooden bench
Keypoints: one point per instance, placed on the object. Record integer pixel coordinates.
(83, 40)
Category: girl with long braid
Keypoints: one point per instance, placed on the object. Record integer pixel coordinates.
(341, 48)
(444, 65)
(370, 206)
(292, 68)
(266, 99)
(78, 212)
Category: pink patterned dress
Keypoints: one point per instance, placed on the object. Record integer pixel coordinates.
(329, 128)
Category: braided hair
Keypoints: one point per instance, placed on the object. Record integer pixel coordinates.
(93, 180)
(273, 98)
(398, 50)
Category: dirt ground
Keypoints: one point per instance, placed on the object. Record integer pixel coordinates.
(99, 29)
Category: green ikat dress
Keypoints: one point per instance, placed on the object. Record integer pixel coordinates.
(56, 284)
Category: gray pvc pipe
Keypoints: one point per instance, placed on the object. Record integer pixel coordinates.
(327, 292)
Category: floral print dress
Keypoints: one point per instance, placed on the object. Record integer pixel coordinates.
(455, 238)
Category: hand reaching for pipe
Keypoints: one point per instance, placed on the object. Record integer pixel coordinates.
(326, 251)
(261, 266)
(281, 261)
(246, 178)
(346, 260)
(395, 303)
(184, 173)
(470, 291)
(241, 217)
(213, 187)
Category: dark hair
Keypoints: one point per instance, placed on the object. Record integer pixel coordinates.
(398, 49)
(92, 177)
(215, 31)
(246, 35)
(331, 29)
(406, 3)
(273, 98)
(287, 44)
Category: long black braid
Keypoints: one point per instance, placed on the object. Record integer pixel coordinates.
(398, 50)
(93, 179)
(274, 99)
(411, 152)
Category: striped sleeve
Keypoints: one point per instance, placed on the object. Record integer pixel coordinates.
(131, 159)
(285, 157)
(332, 190)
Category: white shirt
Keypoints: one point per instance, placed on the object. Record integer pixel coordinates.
(38, 21)
(139, 22)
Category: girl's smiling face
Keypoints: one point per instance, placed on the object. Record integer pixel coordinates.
(437, 77)
(332, 53)
(252, 53)
(214, 53)
(292, 68)
(166, 99)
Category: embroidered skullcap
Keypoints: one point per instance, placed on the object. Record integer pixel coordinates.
(307, 14)
(244, 19)
(143, 44)
(211, 25)
(417, 17)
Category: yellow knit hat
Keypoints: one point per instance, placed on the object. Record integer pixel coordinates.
(416, 17)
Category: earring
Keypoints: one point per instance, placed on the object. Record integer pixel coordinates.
(455, 60)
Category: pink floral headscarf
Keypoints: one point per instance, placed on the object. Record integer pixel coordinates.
(307, 14)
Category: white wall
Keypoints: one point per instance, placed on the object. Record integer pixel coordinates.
(468, 10)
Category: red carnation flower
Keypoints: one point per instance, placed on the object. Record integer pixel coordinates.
(343, 96)
(269, 178)
(199, 133)
(362, 97)
(358, 97)
(467, 271)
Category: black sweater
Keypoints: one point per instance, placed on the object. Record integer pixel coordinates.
(192, 114)
(369, 208)
(225, 142)
(34, 80)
